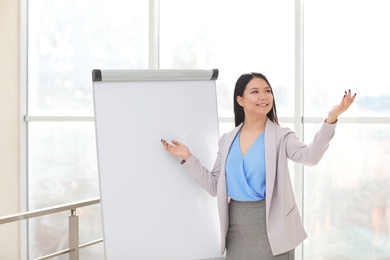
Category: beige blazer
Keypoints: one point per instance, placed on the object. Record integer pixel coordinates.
(284, 225)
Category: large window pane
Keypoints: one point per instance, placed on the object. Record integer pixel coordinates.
(235, 37)
(347, 47)
(62, 169)
(67, 39)
(347, 211)
(347, 198)
(63, 164)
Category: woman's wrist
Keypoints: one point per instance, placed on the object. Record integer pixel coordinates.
(185, 158)
(330, 120)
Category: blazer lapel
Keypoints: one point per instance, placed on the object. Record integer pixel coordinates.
(228, 142)
(224, 149)
(270, 161)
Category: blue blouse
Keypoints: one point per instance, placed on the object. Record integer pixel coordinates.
(245, 175)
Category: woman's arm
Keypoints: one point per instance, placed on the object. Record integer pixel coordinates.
(208, 180)
(312, 153)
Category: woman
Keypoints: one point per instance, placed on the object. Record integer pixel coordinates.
(257, 209)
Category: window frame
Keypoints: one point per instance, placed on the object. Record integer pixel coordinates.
(298, 120)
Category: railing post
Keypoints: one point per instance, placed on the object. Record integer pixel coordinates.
(73, 235)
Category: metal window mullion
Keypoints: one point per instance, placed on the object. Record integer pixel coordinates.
(58, 118)
(299, 109)
(350, 120)
(23, 127)
(154, 34)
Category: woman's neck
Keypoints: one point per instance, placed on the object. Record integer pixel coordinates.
(254, 124)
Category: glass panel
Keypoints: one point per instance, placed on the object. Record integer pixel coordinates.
(235, 37)
(62, 169)
(48, 234)
(225, 127)
(68, 39)
(347, 199)
(90, 252)
(347, 47)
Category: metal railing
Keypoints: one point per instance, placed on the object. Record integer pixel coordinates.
(74, 245)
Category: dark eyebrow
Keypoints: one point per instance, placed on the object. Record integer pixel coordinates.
(256, 87)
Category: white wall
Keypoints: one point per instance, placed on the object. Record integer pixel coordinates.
(9, 126)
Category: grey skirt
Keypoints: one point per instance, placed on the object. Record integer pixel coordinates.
(247, 235)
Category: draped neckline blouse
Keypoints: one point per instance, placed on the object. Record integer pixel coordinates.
(245, 174)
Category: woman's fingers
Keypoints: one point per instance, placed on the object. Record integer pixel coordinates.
(177, 149)
(336, 111)
(176, 142)
(173, 149)
(166, 145)
(348, 99)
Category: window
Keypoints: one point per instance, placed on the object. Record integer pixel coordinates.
(345, 199)
(347, 206)
(69, 39)
(66, 41)
(234, 37)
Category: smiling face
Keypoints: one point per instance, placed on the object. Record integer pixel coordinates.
(257, 98)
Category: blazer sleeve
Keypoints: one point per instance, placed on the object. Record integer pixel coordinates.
(310, 154)
(207, 179)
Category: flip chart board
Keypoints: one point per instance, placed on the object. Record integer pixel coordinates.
(153, 209)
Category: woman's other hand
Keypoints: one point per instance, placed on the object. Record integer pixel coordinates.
(336, 111)
(177, 149)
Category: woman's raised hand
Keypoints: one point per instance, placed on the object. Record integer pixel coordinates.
(177, 149)
(336, 111)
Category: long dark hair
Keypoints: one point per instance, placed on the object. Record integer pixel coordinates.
(242, 81)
